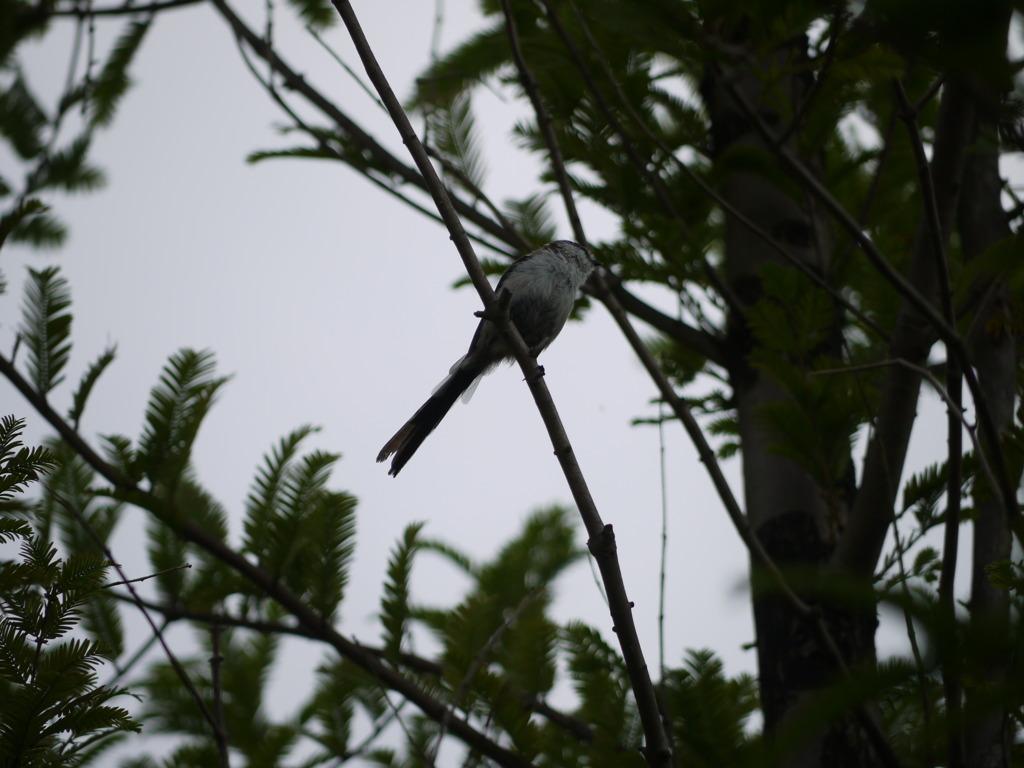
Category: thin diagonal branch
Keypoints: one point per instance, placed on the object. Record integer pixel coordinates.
(600, 535)
(658, 749)
(216, 662)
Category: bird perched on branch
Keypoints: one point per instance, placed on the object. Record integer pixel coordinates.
(542, 286)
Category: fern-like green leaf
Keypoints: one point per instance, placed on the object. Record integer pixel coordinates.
(26, 209)
(333, 525)
(177, 406)
(532, 218)
(88, 381)
(710, 711)
(13, 530)
(41, 230)
(293, 153)
(22, 119)
(455, 138)
(46, 327)
(113, 81)
(394, 604)
(69, 171)
(102, 620)
(119, 453)
(481, 55)
(264, 500)
(19, 465)
(167, 554)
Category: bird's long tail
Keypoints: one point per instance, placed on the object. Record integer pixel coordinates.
(412, 434)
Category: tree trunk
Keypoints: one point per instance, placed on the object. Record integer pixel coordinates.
(786, 508)
(983, 223)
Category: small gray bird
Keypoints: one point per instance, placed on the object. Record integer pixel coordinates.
(543, 285)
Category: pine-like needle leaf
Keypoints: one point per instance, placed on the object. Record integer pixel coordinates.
(88, 382)
(113, 81)
(177, 406)
(46, 327)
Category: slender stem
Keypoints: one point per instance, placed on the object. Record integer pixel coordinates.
(216, 662)
(127, 9)
(664, 540)
(658, 749)
(175, 664)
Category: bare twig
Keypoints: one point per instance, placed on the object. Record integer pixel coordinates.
(216, 661)
(664, 539)
(178, 668)
(127, 9)
(181, 567)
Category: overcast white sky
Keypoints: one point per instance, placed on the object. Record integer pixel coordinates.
(330, 303)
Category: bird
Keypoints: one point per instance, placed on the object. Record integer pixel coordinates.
(542, 286)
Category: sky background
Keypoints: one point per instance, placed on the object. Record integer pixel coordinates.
(329, 302)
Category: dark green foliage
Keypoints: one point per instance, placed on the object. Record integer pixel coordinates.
(67, 170)
(39, 230)
(598, 676)
(48, 162)
(22, 120)
(46, 327)
(88, 381)
(52, 709)
(710, 712)
(316, 13)
(19, 465)
(816, 425)
(113, 80)
(299, 531)
(26, 210)
(395, 611)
